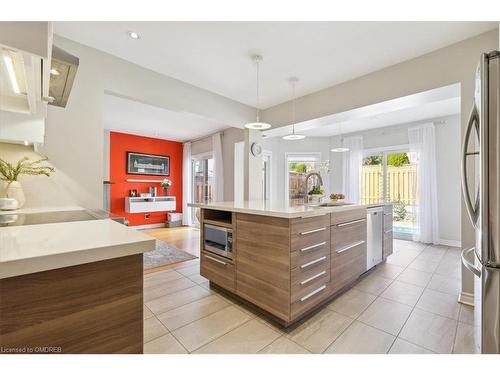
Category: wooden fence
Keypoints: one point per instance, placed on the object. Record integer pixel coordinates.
(401, 184)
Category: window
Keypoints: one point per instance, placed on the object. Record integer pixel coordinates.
(297, 167)
(202, 181)
(392, 174)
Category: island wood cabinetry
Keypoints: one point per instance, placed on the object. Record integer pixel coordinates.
(288, 267)
(387, 244)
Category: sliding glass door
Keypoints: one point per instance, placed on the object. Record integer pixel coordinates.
(202, 181)
(391, 175)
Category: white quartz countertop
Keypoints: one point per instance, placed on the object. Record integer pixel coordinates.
(279, 208)
(33, 248)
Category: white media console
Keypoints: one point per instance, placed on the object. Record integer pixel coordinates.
(150, 204)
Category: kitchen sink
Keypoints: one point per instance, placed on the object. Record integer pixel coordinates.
(334, 204)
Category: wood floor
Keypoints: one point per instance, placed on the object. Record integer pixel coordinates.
(184, 238)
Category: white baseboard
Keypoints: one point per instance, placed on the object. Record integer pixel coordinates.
(450, 243)
(148, 226)
(466, 298)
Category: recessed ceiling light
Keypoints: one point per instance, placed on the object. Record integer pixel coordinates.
(257, 125)
(133, 35)
(339, 149)
(54, 72)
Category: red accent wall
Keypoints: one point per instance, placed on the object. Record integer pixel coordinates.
(120, 144)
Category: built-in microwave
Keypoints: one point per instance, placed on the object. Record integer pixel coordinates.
(218, 240)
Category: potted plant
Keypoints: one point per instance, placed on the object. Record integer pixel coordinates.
(9, 173)
(165, 184)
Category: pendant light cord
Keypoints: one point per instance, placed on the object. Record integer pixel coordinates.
(258, 84)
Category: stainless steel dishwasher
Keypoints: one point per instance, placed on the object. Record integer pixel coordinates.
(374, 235)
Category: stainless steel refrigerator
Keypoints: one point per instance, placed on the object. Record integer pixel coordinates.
(481, 190)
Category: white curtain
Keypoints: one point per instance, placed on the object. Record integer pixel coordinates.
(352, 162)
(423, 152)
(218, 168)
(186, 184)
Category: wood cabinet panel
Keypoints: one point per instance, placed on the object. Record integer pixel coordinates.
(218, 269)
(299, 242)
(309, 225)
(347, 271)
(310, 300)
(90, 308)
(348, 234)
(388, 219)
(387, 248)
(263, 262)
(310, 253)
(348, 215)
(304, 281)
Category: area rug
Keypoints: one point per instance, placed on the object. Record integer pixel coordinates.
(164, 254)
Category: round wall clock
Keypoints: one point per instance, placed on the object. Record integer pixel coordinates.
(255, 149)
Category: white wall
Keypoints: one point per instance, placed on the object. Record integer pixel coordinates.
(75, 136)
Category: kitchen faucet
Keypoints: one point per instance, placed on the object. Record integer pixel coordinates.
(320, 183)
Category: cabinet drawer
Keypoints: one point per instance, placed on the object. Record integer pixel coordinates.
(388, 218)
(309, 300)
(305, 227)
(316, 249)
(309, 241)
(305, 282)
(217, 269)
(348, 215)
(321, 259)
(348, 270)
(388, 208)
(346, 234)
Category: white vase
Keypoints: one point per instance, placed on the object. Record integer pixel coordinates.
(15, 190)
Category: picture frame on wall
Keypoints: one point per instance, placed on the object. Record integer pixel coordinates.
(148, 164)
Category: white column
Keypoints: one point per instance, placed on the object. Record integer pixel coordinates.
(252, 167)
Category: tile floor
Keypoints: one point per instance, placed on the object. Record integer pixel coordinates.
(407, 305)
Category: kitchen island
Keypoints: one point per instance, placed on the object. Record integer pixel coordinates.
(70, 282)
(286, 260)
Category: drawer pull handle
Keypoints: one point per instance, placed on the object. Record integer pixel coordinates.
(388, 231)
(348, 247)
(313, 277)
(313, 246)
(307, 296)
(216, 260)
(350, 222)
(312, 231)
(313, 262)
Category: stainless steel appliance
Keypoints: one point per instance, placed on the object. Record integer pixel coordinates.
(374, 235)
(480, 185)
(218, 239)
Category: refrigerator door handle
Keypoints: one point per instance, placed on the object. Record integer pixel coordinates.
(468, 264)
(472, 208)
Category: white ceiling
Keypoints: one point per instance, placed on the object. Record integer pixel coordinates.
(215, 55)
(129, 116)
(432, 104)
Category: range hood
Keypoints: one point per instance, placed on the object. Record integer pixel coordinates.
(63, 70)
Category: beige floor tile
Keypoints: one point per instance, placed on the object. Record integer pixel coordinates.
(209, 328)
(403, 293)
(198, 279)
(248, 338)
(174, 300)
(151, 293)
(284, 345)
(466, 314)
(373, 284)
(189, 271)
(464, 340)
(450, 267)
(190, 312)
(187, 264)
(408, 245)
(165, 344)
(205, 284)
(431, 331)
(352, 303)
(146, 313)
(402, 258)
(414, 277)
(439, 303)
(387, 315)
(404, 347)
(423, 265)
(317, 333)
(389, 271)
(361, 339)
(159, 278)
(152, 329)
(451, 285)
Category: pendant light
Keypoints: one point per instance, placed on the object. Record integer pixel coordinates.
(293, 137)
(341, 148)
(257, 125)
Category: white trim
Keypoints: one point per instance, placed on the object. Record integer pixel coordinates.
(268, 153)
(453, 243)
(466, 298)
(203, 155)
(148, 226)
(287, 155)
(386, 149)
